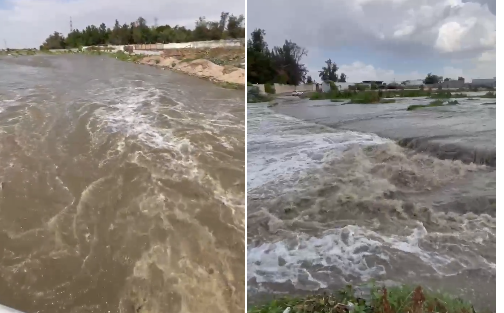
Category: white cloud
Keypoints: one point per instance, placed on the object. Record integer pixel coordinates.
(27, 23)
(359, 71)
(437, 32)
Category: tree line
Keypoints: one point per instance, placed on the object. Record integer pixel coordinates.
(431, 79)
(280, 65)
(138, 32)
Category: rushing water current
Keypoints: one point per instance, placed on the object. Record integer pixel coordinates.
(342, 194)
(122, 189)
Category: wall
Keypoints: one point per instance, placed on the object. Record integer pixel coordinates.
(453, 84)
(341, 86)
(184, 45)
(206, 44)
(260, 86)
(280, 88)
(491, 82)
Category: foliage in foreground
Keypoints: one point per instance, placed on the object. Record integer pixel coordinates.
(401, 299)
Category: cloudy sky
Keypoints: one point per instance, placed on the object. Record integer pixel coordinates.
(385, 39)
(27, 23)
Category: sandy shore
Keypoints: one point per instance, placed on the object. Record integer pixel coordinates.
(200, 67)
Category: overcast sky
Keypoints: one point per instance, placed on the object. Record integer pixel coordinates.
(27, 23)
(385, 39)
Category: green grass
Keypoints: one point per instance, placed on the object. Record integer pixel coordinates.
(452, 102)
(400, 299)
(337, 100)
(447, 95)
(436, 103)
(230, 85)
(373, 96)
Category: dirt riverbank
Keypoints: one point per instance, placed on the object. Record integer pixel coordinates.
(219, 65)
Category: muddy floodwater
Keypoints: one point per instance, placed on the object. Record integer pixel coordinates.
(122, 188)
(344, 194)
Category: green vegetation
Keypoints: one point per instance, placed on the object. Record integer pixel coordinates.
(138, 32)
(436, 103)
(228, 85)
(279, 65)
(269, 88)
(255, 96)
(401, 299)
(366, 98)
(18, 52)
(447, 95)
(337, 100)
(328, 73)
(490, 94)
(452, 102)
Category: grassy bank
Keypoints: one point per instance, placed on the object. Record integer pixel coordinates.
(401, 299)
(385, 96)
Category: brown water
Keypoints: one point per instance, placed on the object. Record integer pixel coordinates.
(122, 188)
(333, 199)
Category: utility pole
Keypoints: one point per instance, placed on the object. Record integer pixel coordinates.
(155, 22)
(5, 43)
(71, 26)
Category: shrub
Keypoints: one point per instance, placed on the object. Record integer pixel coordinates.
(254, 95)
(436, 103)
(269, 88)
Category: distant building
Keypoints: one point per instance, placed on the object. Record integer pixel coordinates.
(484, 82)
(326, 87)
(414, 83)
(370, 82)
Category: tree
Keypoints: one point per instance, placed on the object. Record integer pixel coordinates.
(461, 78)
(342, 78)
(329, 72)
(309, 80)
(432, 79)
(286, 60)
(279, 65)
(447, 79)
(235, 27)
(229, 26)
(54, 41)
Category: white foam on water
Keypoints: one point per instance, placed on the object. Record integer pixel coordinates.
(280, 147)
(347, 249)
(348, 255)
